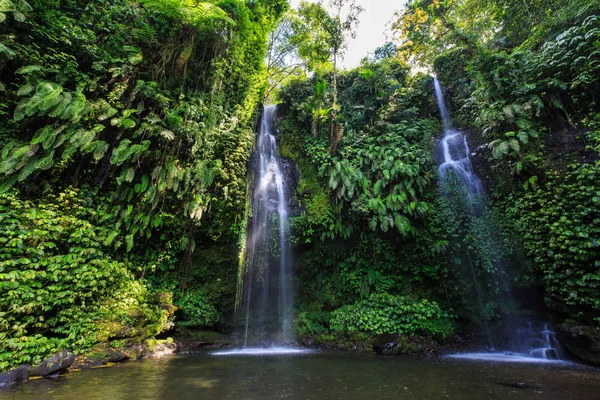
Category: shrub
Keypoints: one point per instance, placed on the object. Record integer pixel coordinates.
(386, 313)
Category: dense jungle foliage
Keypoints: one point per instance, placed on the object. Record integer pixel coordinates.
(523, 79)
(126, 129)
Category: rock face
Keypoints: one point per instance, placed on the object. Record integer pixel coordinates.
(583, 341)
(20, 374)
(388, 344)
(56, 363)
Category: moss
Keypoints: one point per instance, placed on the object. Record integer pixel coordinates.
(98, 355)
(285, 150)
(151, 343)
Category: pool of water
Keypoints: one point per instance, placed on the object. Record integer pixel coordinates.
(317, 375)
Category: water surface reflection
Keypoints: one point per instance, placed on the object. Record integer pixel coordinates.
(317, 375)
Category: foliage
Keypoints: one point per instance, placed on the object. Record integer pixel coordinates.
(382, 177)
(283, 62)
(559, 225)
(384, 313)
(146, 110)
(197, 310)
(60, 286)
(321, 38)
(311, 323)
(524, 74)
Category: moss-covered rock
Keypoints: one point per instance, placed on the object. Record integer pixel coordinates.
(56, 363)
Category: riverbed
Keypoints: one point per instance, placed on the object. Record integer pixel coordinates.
(317, 375)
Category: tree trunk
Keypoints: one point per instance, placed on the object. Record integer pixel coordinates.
(335, 138)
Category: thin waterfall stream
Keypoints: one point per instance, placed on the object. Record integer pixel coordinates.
(530, 340)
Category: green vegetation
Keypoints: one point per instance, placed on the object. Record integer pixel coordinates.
(126, 129)
(531, 89)
(61, 287)
(384, 313)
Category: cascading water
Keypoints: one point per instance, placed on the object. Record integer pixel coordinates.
(264, 302)
(456, 160)
(530, 340)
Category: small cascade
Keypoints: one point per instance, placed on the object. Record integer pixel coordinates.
(264, 302)
(539, 341)
(456, 160)
(531, 340)
(455, 150)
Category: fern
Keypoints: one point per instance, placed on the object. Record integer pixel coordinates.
(8, 184)
(46, 162)
(26, 171)
(144, 34)
(8, 53)
(188, 12)
(168, 135)
(25, 89)
(7, 166)
(6, 150)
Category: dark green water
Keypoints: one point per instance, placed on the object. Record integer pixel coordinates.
(320, 376)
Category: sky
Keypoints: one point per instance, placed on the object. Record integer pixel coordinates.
(372, 29)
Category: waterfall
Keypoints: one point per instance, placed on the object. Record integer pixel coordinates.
(455, 160)
(530, 339)
(264, 301)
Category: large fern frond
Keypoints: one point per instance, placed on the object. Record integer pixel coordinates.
(189, 12)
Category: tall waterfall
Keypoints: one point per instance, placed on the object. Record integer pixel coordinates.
(456, 160)
(264, 302)
(526, 338)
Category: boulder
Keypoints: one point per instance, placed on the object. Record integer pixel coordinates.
(116, 356)
(581, 340)
(56, 363)
(20, 374)
(389, 344)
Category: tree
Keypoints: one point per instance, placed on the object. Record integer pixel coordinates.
(283, 61)
(193, 16)
(322, 38)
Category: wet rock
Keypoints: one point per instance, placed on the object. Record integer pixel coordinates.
(390, 345)
(20, 374)
(307, 341)
(413, 348)
(116, 355)
(165, 301)
(581, 340)
(56, 363)
(152, 348)
(517, 385)
(99, 356)
(87, 362)
(53, 375)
